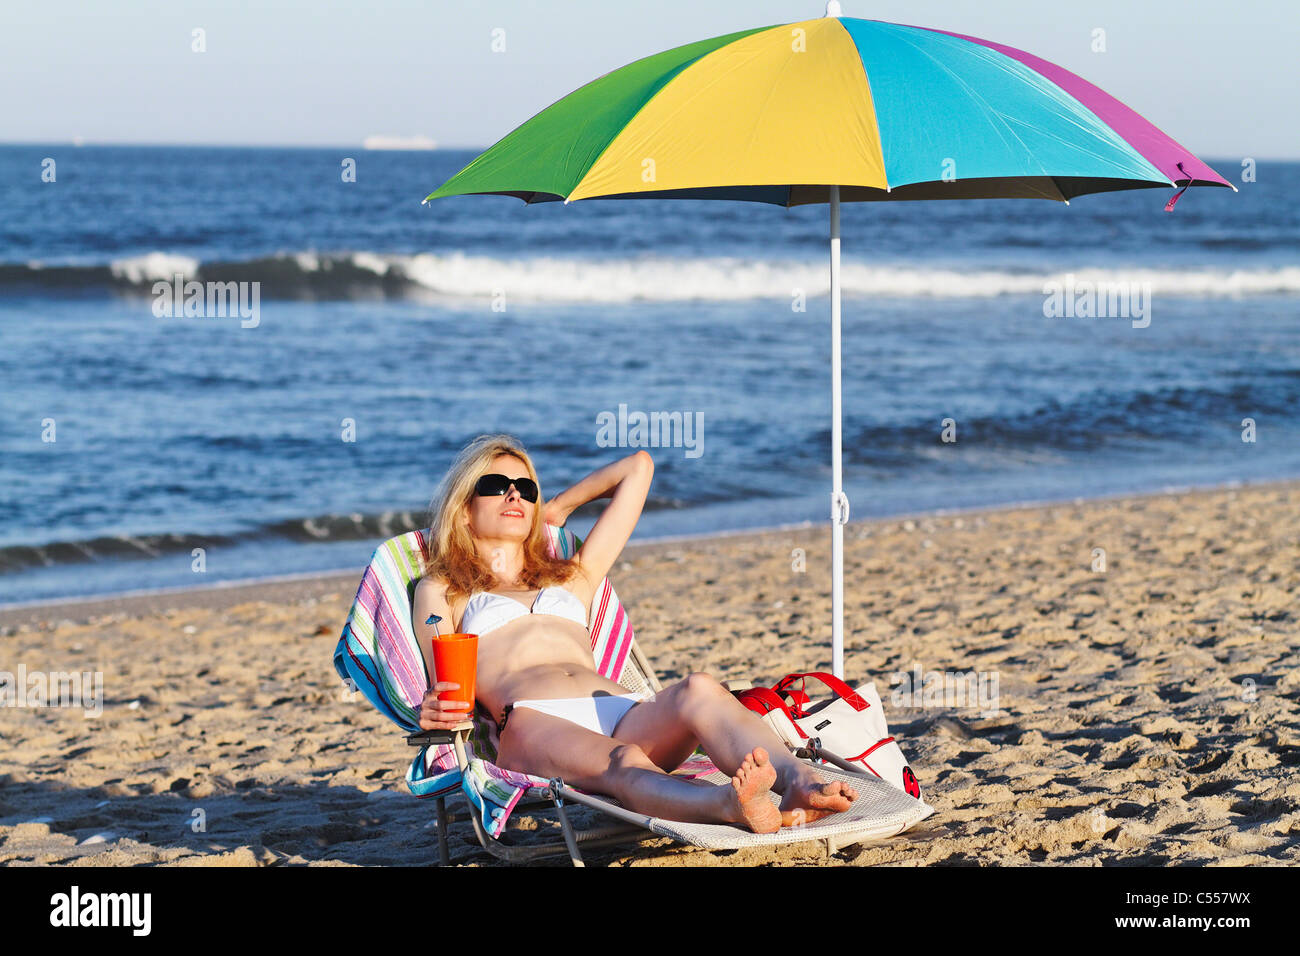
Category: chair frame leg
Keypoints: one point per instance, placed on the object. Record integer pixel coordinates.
(812, 749)
(444, 857)
(555, 789)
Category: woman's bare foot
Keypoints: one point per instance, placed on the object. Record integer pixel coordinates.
(810, 798)
(751, 786)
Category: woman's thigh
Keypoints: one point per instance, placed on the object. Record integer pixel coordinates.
(548, 746)
(656, 726)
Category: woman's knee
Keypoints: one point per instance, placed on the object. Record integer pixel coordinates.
(626, 757)
(625, 778)
(700, 689)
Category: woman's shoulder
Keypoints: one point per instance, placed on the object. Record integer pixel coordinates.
(431, 597)
(579, 583)
(431, 587)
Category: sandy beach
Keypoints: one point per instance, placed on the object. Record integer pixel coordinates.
(1147, 705)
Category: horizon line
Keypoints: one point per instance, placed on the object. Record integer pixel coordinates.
(439, 148)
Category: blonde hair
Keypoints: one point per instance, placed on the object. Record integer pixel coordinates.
(449, 550)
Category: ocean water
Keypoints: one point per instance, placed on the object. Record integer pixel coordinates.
(386, 334)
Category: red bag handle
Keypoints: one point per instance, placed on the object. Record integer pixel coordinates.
(837, 686)
(761, 697)
(761, 700)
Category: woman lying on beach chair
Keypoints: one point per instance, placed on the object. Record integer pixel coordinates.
(490, 573)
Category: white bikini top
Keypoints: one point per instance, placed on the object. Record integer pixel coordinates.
(486, 611)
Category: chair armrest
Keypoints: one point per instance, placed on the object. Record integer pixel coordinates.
(426, 737)
(735, 685)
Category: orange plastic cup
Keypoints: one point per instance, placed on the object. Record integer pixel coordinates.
(455, 659)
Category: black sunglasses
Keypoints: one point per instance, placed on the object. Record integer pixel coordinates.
(493, 485)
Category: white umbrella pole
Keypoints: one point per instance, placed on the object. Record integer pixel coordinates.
(839, 502)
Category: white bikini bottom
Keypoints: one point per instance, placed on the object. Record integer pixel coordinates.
(598, 714)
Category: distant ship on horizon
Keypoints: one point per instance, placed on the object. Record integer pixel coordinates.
(398, 142)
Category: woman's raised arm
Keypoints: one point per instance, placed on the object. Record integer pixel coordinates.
(629, 481)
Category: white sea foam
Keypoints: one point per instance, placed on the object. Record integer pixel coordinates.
(663, 279)
(153, 266)
(720, 279)
(369, 260)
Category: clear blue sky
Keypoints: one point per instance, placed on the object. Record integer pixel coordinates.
(1221, 78)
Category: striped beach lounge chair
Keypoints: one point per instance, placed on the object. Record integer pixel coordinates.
(378, 655)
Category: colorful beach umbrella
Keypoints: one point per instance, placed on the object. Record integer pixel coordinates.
(827, 111)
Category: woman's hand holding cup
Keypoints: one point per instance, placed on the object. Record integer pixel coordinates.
(438, 714)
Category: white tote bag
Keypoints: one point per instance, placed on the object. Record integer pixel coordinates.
(848, 724)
